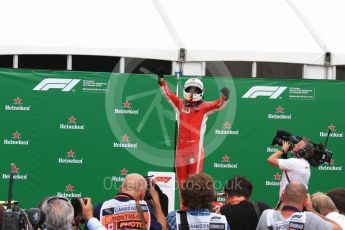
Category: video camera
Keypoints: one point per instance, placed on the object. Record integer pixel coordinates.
(15, 218)
(319, 153)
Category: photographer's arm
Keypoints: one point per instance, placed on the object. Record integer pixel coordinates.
(273, 159)
(157, 208)
(92, 223)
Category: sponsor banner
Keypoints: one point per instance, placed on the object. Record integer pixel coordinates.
(17, 175)
(65, 85)
(166, 182)
(298, 93)
(334, 133)
(72, 124)
(279, 114)
(126, 109)
(121, 177)
(16, 140)
(125, 143)
(17, 105)
(95, 86)
(226, 163)
(69, 192)
(273, 92)
(70, 158)
(272, 149)
(275, 182)
(332, 166)
(226, 130)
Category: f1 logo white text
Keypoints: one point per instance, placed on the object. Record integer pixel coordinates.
(56, 83)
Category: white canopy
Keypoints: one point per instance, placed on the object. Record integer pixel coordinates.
(224, 30)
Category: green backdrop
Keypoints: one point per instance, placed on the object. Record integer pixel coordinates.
(81, 137)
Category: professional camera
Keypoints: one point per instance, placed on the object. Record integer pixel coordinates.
(163, 198)
(318, 152)
(15, 218)
(320, 156)
(282, 136)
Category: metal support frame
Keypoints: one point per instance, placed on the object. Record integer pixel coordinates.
(15, 61)
(69, 62)
(254, 69)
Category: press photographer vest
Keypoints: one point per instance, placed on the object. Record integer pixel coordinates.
(296, 221)
(124, 215)
(213, 222)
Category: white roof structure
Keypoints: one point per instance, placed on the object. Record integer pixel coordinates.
(217, 30)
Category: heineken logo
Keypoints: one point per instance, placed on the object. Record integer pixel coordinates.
(16, 140)
(279, 114)
(70, 158)
(227, 130)
(126, 109)
(275, 181)
(72, 124)
(17, 105)
(271, 149)
(123, 173)
(68, 192)
(277, 176)
(125, 143)
(225, 163)
(333, 133)
(69, 188)
(16, 174)
(14, 168)
(331, 166)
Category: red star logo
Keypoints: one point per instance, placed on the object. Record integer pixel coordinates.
(126, 104)
(16, 135)
(331, 127)
(72, 119)
(227, 125)
(123, 171)
(279, 109)
(226, 158)
(277, 176)
(17, 101)
(70, 153)
(69, 188)
(331, 162)
(14, 168)
(125, 138)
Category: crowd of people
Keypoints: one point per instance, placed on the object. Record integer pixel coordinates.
(128, 209)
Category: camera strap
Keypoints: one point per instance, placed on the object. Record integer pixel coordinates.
(287, 176)
(257, 209)
(141, 214)
(184, 222)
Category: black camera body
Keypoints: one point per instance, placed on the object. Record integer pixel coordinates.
(19, 219)
(318, 154)
(15, 218)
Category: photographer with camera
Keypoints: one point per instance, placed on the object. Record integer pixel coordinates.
(292, 215)
(297, 168)
(128, 210)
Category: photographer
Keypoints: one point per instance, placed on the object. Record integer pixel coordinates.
(295, 169)
(295, 199)
(128, 210)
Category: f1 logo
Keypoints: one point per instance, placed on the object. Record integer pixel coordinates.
(273, 92)
(56, 83)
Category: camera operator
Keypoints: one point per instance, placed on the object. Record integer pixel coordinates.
(295, 169)
(128, 210)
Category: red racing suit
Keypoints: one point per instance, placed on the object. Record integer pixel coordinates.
(191, 129)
